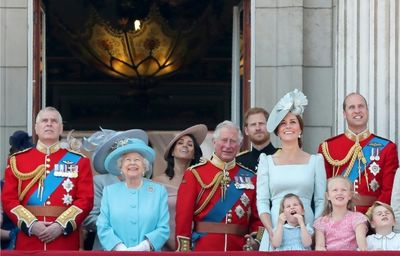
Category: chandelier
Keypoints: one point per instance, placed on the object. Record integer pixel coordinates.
(149, 44)
(150, 49)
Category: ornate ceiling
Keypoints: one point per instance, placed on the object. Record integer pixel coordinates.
(90, 94)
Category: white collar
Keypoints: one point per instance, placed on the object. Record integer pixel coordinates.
(388, 236)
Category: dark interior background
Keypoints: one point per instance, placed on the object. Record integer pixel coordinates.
(199, 92)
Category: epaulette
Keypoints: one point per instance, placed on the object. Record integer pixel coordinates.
(21, 151)
(333, 138)
(245, 168)
(382, 138)
(242, 153)
(203, 161)
(76, 152)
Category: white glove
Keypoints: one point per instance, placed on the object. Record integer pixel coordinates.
(120, 247)
(144, 246)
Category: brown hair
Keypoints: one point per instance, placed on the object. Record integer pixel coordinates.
(328, 204)
(253, 111)
(301, 123)
(290, 195)
(371, 209)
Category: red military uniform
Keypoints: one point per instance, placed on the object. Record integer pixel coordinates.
(370, 163)
(48, 184)
(221, 205)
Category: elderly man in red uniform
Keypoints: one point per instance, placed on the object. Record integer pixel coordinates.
(219, 197)
(48, 191)
(369, 161)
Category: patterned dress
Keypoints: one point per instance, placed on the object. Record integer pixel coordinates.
(340, 235)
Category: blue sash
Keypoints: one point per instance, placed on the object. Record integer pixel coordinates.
(375, 142)
(218, 212)
(51, 182)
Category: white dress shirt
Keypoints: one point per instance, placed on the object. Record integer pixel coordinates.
(390, 242)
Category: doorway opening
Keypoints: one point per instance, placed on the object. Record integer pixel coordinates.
(199, 91)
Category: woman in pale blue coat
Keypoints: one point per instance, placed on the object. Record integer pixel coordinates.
(134, 213)
(290, 169)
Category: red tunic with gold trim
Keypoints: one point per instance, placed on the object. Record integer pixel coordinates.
(48, 184)
(222, 206)
(375, 162)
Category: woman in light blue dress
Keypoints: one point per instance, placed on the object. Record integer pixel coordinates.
(290, 169)
(134, 213)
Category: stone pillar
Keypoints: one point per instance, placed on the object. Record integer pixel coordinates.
(293, 49)
(367, 52)
(13, 71)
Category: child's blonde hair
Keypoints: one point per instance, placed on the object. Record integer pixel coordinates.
(371, 209)
(328, 205)
(282, 207)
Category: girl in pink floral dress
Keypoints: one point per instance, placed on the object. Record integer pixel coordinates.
(340, 228)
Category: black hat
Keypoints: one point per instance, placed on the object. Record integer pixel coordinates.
(20, 140)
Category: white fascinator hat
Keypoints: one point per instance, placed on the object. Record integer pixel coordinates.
(293, 101)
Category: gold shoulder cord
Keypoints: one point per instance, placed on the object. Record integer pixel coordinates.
(214, 183)
(336, 164)
(354, 153)
(35, 175)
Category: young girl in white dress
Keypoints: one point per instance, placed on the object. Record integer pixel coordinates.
(292, 233)
(382, 221)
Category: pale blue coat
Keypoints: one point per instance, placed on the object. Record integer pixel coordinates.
(129, 215)
(308, 181)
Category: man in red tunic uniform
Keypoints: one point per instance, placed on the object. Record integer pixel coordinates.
(369, 161)
(48, 191)
(219, 197)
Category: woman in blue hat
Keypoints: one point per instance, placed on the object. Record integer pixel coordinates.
(289, 170)
(99, 145)
(134, 213)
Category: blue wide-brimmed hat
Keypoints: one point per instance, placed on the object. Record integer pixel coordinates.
(101, 143)
(127, 146)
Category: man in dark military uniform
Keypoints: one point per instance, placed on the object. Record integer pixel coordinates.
(48, 190)
(369, 161)
(216, 202)
(255, 127)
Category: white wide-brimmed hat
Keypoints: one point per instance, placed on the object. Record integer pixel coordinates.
(198, 131)
(101, 142)
(293, 101)
(124, 147)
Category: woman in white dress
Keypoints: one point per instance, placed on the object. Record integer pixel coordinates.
(290, 169)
